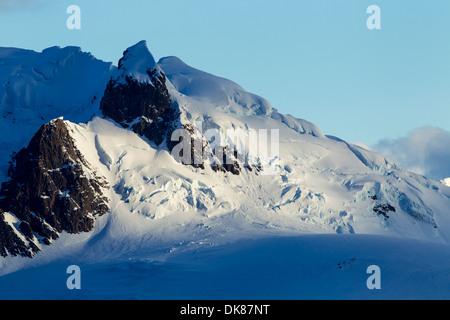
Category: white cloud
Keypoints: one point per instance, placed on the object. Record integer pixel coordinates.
(446, 182)
(424, 150)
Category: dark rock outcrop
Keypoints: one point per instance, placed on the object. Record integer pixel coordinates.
(143, 107)
(384, 209)
(225, 159)
(11, 243)
(138, 99)
(51, 189)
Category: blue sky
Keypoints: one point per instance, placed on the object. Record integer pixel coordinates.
(316, 60)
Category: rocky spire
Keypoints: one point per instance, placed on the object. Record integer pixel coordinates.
(51, 189)
(138, 97)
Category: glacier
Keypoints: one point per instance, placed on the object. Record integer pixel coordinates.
(173, 225)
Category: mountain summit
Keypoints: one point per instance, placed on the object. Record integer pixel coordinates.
(138, 97)
(137, 62)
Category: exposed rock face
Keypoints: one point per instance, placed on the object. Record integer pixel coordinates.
(200, 153)
(11, 243)
(143, 107)
(138, 98)
(384, 209)
(51, 189)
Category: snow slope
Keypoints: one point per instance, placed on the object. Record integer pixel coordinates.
(297, 267)
(164, 213)
(38, 87)
(326, 188)
(137, 61)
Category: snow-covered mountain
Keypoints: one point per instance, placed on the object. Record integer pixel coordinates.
(108, 179)
(39, 87)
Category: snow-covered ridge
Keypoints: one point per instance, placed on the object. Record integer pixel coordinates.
(223, 94)
(204, 92)
(36, 87)
(137, 62)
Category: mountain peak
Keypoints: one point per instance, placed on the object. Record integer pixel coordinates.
(138, 97)
(67, 196)
(137, 62)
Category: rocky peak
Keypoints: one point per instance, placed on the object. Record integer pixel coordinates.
(138, 97)
(137, 62)
(51, 189)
